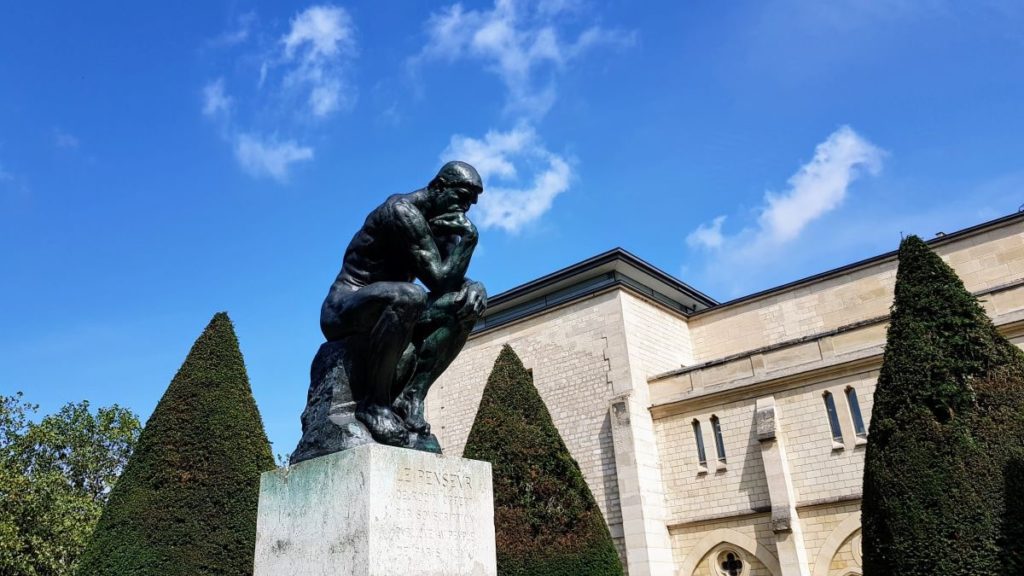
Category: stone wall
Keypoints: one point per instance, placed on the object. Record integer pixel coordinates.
(985, 260)
(573, 352)
(795, 344)
(735, 487)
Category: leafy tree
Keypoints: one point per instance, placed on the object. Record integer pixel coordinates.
(186, 504)
(946, 422)
(55, 476)
(546, 520)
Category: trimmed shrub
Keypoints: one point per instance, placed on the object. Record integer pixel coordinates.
(186, 503)
(945, 422)
(546, 520)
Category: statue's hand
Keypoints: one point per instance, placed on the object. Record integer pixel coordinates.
(473, 297)
(454, 223)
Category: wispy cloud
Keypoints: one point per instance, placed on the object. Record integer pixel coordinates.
(517, 40)
(240, 33)
(300, 80)
(818, 187)
(268, 157)
(502, 157)
(318, 46)
(526, 44)
(777, 236)
(215, 100)
(65, 140)
(708, 235)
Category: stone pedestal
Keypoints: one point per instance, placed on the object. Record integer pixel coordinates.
(376, 510)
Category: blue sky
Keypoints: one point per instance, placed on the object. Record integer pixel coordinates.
(159, 163)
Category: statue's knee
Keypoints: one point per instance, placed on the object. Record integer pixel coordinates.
(410, 297)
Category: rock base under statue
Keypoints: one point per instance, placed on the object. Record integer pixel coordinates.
(329, 421)
(375, 510)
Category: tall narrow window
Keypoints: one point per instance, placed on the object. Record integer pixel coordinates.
(719, 442)
(833, 418)
(701, 457)
(858, 421)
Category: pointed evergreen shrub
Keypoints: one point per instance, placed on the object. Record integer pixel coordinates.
(186, 503)
(546, 520)
(946, 422)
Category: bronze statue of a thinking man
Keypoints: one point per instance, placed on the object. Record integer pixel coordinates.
(388, 338)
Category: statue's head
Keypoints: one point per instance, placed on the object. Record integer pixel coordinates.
(455, 188)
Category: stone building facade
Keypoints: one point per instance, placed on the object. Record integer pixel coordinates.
(718, 438)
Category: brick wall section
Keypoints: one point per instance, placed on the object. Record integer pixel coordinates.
(844, 561)
(819, 523)
(990, 259)
(757, 528)
(741, 487)
(659, 340)
(575, 352)
(818, 470)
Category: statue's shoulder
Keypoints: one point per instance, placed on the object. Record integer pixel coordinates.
(399, 207)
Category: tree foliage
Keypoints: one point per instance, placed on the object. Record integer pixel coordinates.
(947, 420)
(546, 520)
(55, 476)
(186, 504)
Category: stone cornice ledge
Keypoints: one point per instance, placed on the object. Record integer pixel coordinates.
(759, 510)
(857, 362)
(1010, 325)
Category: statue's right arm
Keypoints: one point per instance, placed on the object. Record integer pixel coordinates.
(437, 274)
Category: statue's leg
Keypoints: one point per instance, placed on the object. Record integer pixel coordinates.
(440, 335)
(386, 312)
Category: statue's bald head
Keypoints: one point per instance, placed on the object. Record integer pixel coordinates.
(456, 173)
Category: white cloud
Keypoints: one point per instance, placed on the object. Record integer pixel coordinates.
(707, 236)
(501, 156)
(515, 39)
(269, 157)
(820, 185)
(5, 176)
(817, 188)
(62, 139)
(215, 100)
(239, 34)
(318, 45)
(301, 70)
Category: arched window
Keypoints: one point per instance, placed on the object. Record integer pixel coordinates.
(833, 418)
(719, 441)
(701, 456)
(858, 421)
(730, 564)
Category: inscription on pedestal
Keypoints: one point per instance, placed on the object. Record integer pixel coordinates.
(398, 512)
(434, 513)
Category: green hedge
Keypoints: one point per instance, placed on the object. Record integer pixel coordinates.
(945, 424)
(186, 503)
(546, 520)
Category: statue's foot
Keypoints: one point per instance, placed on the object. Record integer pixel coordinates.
(427, 443)
(411, 412)
(384, 425)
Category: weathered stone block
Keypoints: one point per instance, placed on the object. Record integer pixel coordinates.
(376, 510)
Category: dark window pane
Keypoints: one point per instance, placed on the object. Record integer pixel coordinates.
(858, 421)
(702, 458)
(833, 418)
(719, 442)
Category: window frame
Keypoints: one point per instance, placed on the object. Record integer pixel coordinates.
(698, 434)
(833, 416)
(855, 413)
(716, 428)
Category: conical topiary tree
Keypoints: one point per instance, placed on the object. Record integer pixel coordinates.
(546, 520)
(186, 503)
(943, 427)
